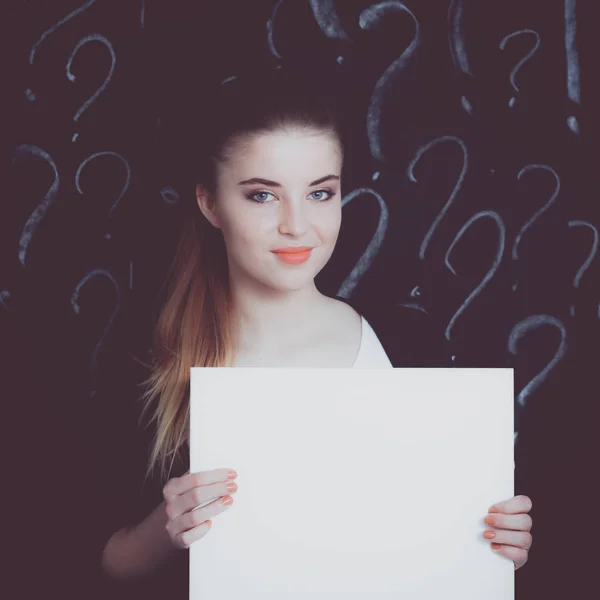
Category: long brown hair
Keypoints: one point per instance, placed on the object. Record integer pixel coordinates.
(194, 326)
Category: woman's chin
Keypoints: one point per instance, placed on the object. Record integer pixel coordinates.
(292, 282)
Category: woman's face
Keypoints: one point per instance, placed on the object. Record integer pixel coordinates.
(276, 192)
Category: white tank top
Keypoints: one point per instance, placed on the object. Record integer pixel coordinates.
(371, 354)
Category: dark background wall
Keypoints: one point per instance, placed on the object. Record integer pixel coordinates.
(473, 214)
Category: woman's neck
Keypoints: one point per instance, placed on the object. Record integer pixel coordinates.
(264, 320)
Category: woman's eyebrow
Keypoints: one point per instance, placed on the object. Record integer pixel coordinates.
(275, 184)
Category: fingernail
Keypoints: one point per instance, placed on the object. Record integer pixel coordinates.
(227, 500)
(231, 474)
(231, 487)
(490, 535)
(496, 546)
(489, 520)
(493, 509)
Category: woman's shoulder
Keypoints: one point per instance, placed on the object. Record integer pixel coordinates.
(372, 354)
(408, 336)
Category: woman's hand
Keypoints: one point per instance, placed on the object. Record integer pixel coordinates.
(183, 494)
(511, 529)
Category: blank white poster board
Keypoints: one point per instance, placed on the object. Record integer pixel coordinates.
(353, 484)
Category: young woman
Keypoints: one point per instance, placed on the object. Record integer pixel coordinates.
(266, 217)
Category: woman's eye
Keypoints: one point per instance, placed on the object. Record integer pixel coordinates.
(322, 198)
(261, 200)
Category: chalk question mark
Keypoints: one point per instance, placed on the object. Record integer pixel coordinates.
(29, 93)
(588, 260)
(519, 331)
(362, 266)
(4, 297)
(540, 212)
(86, 40)
(411, 175)
(270, 27)
(328, 19)
(38, 214)
(457, 45)
(415, 293)
(490, 214)
(518, 66)
(329, 22)
(573, 74)
(169, 195)
(369, 18)
(77, 309)
(123, 189)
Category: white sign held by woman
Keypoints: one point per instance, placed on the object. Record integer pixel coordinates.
(362, 484)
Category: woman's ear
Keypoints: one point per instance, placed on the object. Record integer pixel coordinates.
(207, 205)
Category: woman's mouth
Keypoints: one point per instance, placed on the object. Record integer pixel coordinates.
(293, 255)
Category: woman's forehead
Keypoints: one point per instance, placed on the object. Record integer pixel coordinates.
(285, 151)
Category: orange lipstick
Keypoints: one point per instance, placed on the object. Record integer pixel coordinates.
(293, 255)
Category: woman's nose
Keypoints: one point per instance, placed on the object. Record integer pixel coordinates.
(293, 219)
